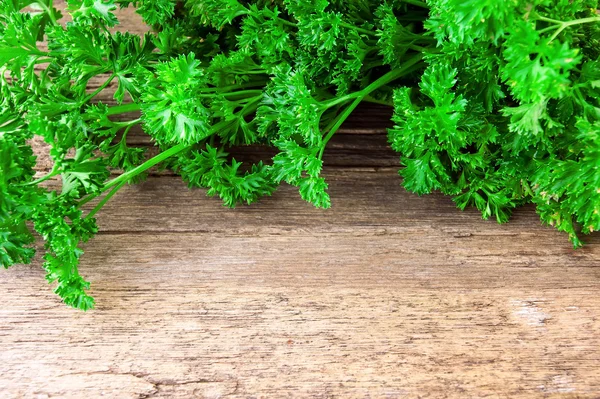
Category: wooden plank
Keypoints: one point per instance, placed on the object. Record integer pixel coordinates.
(367, 119)
(344, 150)
(363, 199)
(385, 295)
(188, 335)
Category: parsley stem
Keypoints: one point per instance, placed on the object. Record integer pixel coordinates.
(54, 172)
(118, 109)
(344, 24)
(128, 124)
(247, 93)
(356, 28)
(339, 121)
(159, 158)
(34, 50)
(122, 179)
(146, 165)
(332, 123)
(122, 109)
(99, 89)
(562, 25)
(286, 22)
(49, 10)
(254, 83)
(373, 100)
(416, 3)
(43, 60)
(254, 72)
(384, 80)
(409, 66)
(105, 200)
(125, 177)
(341, 100)
(423, 49)
(546, 19)
(565, 25)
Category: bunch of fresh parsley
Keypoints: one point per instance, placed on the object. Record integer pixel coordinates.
(496, 104)
(508, 110)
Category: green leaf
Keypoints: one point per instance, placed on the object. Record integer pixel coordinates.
(8, 54)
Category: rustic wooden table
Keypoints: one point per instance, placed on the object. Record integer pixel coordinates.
(385, 295)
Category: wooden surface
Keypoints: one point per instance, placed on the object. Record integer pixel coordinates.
(386, 295)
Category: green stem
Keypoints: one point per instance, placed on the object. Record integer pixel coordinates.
(125, 177)
(159, 158)
(254, 83)
(547, 29)
(409, 66)
(384, 80)
(341, 100)
(120, 109)
(124, 137)
(129, 124)
(43, 60)
(255, 72)
(333, 122)
(247, 93)
(431, 50)
(374, 64)
(356, 28)
(288, 23)
(251, 106)
(244, 93)
(546, 19)
(580, 21)
(105, 200)
(33, 50)
(54, 172)
(85, 200)
(146, 165)
(48, 9)
(99, 89)
(416, 3)
(370, 99)
(338, 123)
(121, 180)
(562, 25)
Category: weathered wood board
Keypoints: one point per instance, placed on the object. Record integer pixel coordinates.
(386, 295)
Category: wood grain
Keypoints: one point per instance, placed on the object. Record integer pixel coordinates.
(386, 295)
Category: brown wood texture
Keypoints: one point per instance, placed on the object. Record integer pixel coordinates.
(386, 295)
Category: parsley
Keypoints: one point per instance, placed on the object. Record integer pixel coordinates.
(496, 104)
(507, 111)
